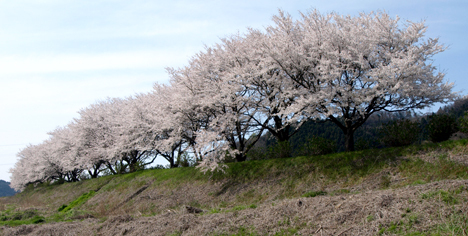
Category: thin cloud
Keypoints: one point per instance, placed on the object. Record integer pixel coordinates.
(37, 64)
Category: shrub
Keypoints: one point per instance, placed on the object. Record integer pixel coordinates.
(318, 146)
(463, 123)
(280, 150)
(185, 160)
(257, 153)
(441, 127)
(400, 133)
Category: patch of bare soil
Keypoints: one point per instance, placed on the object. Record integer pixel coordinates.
(409, 209)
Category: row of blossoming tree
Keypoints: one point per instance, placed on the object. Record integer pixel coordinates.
(334, 67)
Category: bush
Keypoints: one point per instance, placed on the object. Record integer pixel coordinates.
(463, 123)
(185, 160)
(279, 150)
(441, 127)
(257, 153)
(318, 146)
(400, 133)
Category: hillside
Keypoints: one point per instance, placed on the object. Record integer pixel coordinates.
(5, 189)
(413, 190)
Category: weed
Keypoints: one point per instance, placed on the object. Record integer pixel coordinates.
(404, 225)
(195, 203)
(456, 224)
(214, 211)
(247, 196)
(419, 172)
(340, 191)
(176, 233)
(242, 231)
(239, 208)
(413, 219)
(286, 232)
(314, 194)
(418, 182)
(385, 181)
(446, 196)
(223, 204)
(285, 221)
(460, 190)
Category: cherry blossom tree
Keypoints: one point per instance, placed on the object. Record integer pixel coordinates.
(348, 68)
(135, 141)
(94, 138)
(153, 125)
(273, 94)
(61, 146)
(29, 168)
(35, 165)
(188, 114)
(212, 84)
(174, 126)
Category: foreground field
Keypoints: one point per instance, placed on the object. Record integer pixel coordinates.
(417, 190)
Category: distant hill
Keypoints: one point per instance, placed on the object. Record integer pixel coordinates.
(5, 189)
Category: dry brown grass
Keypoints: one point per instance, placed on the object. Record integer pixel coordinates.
(364, 213)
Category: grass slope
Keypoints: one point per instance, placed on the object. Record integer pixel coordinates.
(405, 191)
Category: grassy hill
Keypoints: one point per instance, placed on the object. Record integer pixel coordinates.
(416, 190)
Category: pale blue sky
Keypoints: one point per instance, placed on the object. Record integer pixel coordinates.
(57, 56)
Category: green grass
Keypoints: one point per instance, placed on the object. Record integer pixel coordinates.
(82, 199)
(420, 172)
(403, 227)
(454, 224)
(449, 197)
(11, 217)
(445, 196)
(351, 166)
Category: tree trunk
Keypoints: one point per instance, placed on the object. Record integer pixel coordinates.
(349, 139)
(172, 163)
(240, 157)
(348, 129)
(94, 171)
(111, 169)
(281, 132)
